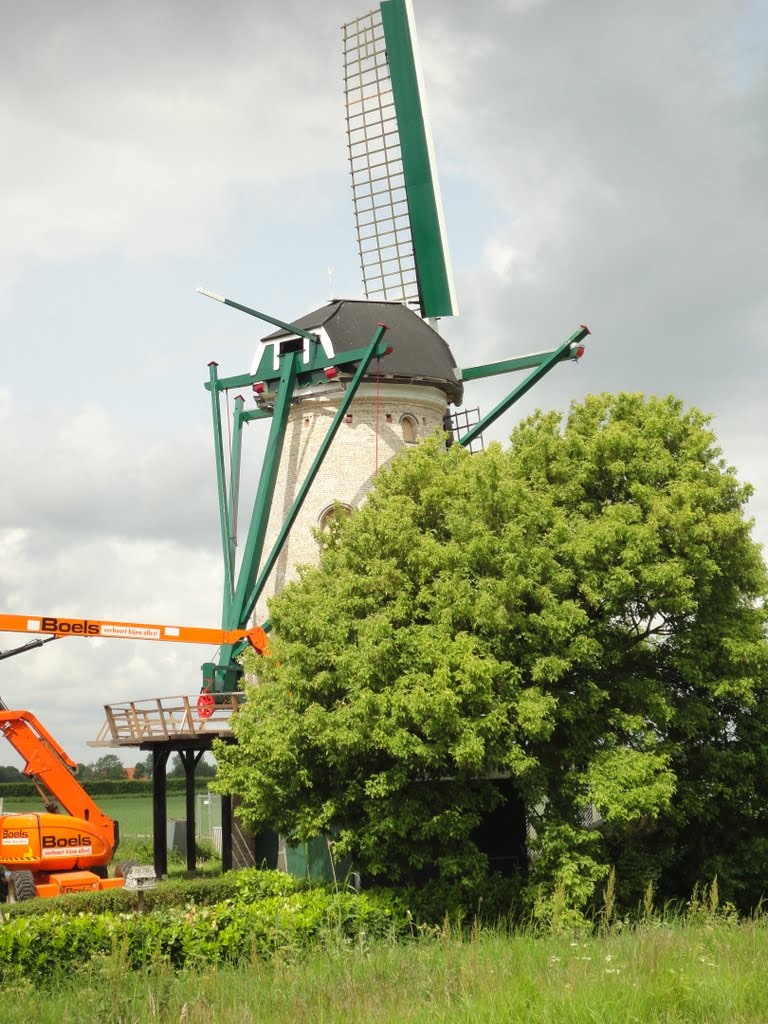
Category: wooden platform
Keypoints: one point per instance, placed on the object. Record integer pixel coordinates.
(160, 720)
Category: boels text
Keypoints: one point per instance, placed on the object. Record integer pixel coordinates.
(52, 842)
(82, 627)
(15, 837)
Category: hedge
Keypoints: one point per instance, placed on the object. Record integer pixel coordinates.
(268, 913)
(174, 893)
(105, 787)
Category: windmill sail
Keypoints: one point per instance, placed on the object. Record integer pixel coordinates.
(395, 192)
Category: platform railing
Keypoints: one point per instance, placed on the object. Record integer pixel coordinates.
(166, 718)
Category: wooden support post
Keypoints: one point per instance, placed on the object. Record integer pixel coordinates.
(160, 810)
(226, 832)
(190, 760)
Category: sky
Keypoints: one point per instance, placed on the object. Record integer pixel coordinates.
(603, 163)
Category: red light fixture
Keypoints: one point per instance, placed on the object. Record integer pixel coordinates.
(259, 387)
(331, 372)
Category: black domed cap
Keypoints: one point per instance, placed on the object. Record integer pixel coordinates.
(419, 355)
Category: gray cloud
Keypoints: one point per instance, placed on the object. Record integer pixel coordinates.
(83, 473)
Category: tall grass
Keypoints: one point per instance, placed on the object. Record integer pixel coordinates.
(694, 966)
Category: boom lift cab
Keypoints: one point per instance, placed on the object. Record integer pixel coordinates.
(47, 853)
(62, 853)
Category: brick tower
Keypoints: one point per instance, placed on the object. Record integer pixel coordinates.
(402, 400)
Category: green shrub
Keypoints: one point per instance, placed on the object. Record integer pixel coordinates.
(264, 914)
(173, 893)
(493, 899)
(488, 899)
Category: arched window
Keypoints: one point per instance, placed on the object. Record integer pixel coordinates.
(409, 425)
(338, 508)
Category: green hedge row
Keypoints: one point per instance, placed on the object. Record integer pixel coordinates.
(491, 899)
(103, 787)
(268, 914)
(176, 893)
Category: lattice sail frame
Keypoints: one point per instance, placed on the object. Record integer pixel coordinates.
(379, 198)
(395, 191)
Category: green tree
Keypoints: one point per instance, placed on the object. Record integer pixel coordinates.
(582, 611)
(203, 769)
(107, 767)
(143, 769)
(176, 768)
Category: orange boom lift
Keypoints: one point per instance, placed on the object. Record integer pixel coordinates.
(50, 853)
(56, 625)
(47, 854)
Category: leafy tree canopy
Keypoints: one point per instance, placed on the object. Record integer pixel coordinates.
(583, 611)
(107, 767)
(203, 770)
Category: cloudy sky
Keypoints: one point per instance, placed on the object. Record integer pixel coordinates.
(603, 162)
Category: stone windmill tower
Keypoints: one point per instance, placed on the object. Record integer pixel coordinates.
(403, 398)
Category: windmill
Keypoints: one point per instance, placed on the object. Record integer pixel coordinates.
(410, 384)
(347, 386)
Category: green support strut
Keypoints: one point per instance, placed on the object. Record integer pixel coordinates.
(221, 482)
(532, 379)
(372, 351)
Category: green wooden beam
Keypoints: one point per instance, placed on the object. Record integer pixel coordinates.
(374, 349)
(225, 674)
(318, 361)
(254, 544)
(234, 476)
(259, 315)
(533, 378)
(421, 184)
(520, 363)
(221, 483)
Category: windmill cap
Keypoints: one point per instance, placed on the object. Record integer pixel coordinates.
(416, 353)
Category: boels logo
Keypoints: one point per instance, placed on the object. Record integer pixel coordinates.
(82, 627)
(14, 837)
(64, 843)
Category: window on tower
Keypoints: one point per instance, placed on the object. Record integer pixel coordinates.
(338, 510)
(410, 429)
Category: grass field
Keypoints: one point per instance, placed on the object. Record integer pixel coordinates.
(710, 973)
(134, 813)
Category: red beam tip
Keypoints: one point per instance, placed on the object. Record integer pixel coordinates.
(380, 324)
(213, 363)
(584, 327)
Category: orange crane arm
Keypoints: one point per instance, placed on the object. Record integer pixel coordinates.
(55, 625)
(51, 768)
